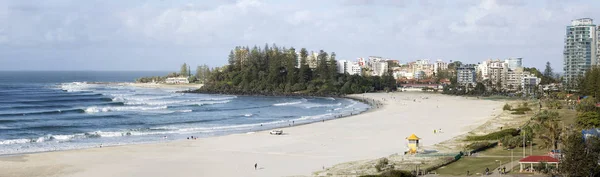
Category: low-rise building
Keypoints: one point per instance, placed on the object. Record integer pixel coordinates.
(177, 80)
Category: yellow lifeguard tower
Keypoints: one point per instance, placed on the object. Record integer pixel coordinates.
(413, 144)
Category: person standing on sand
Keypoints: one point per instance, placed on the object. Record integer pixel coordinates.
(255, 166)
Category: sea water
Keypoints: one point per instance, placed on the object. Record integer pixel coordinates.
(48, 111)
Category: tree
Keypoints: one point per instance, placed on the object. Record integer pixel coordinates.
(305, 72)
(548, 129)
(231, 61)
(587, 105)
(291, 66)
(333, 68)
(580, 156)
(184, 70)
(548, 76)
(322, 67)
(479, 88)
(588, 119)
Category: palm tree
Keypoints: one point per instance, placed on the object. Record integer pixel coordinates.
(550, 134)
(548, 128)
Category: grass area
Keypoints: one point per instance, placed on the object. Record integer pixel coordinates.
(494, 135)
(517, 152)
(568, 116)
(473, 165)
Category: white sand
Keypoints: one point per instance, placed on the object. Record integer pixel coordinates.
(301, 151)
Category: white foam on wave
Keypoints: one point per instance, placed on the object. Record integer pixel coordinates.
(96, 109)
(248, 115)
(75, 86)
(287, 103)
(291, 102)
(321, 105)
(208, 103)
(351, 105)
(14, 141)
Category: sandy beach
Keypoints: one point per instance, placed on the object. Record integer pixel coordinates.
(301, 151)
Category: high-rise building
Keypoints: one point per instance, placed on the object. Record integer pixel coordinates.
(580, 52)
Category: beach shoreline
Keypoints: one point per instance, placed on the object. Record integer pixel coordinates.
(239, 149)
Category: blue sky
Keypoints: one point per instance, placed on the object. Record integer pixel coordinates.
(162, 34)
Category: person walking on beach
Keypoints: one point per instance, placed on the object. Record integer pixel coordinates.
(255, 166)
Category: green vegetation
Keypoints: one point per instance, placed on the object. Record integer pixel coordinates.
(480, 146)
(494, 135)
(506, 107)
(273, 71)
(383, 164)
(183, 72)
(472, 164)
(589, 84)
(392, 173)
(580, 159)
(588, 119)
(553, 104)
(548, 129)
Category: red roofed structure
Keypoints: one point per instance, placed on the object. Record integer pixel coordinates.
(535, 159)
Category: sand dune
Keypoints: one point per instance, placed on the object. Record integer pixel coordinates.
(300, 152)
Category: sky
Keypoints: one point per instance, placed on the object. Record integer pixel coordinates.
(160, 35)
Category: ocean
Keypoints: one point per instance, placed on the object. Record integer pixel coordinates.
(55, 110)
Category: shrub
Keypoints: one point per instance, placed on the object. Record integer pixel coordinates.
(554, 104)
(518, 113)
(524, 109)
(511, 141)
(382, 164)
(392, 173)
(587, 105)
(506, 107)
(494, 135)
(588, 119)
(479, 146)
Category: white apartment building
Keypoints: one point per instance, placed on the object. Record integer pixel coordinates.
(514, 78)
(529, 84)
(581, 49)
(439, 65)
(498, 72)
(348, 67)
(312, 60)
(379, 68)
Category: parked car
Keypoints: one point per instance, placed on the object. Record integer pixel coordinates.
(276, 132)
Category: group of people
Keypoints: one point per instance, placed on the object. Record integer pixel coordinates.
(192, 138)
(437, 131)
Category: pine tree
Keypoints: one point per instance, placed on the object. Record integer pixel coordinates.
(548, 76)
(231, 61)
(333, 68)
(184, 70)
(322, 69)
(291, 66)
(304, 73)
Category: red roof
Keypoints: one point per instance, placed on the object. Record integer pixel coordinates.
(538, 158)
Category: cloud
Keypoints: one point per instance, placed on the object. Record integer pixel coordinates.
(204, 31)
